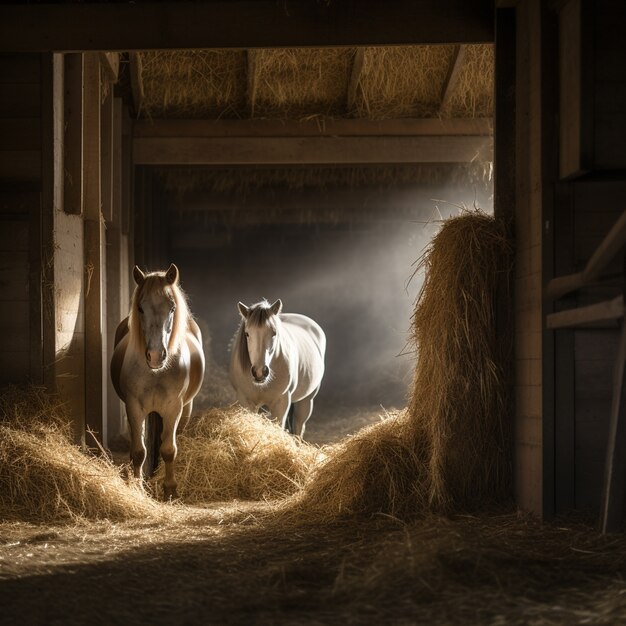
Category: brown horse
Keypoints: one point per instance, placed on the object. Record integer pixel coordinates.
(157, 365)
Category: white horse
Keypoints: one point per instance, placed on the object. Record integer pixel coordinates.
(277, 360)
(157, 365)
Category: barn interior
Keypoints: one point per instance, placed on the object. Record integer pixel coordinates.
(465, 459)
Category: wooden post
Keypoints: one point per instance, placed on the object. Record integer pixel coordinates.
(106, 156)
(73, 139)
(94, 258)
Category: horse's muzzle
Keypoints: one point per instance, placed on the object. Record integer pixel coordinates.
(265, 372)
(156, 358)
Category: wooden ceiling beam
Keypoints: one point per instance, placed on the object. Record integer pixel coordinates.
(452, 77)
(136, 80)
(318, 127)
(124, 26)
(355, 77)
(217, 151)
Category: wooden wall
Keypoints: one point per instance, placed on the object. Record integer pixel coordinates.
(21, 358)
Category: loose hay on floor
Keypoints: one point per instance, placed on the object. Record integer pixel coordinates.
(44, 477)
(232, 453)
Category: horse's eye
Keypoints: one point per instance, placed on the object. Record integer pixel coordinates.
(247, 335)
(140, 310)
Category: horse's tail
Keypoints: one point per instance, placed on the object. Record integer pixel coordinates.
(152, 438)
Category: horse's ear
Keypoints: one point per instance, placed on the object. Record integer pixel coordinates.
(243, 309)
(172, 274)
(138, 275)
(277, 307)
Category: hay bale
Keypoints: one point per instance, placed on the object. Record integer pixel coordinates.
(459, 393)
(45, 477)
(232, 453)
(449, 450)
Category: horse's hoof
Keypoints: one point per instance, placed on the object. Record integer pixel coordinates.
(169, 494)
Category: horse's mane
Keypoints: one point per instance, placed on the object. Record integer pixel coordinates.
(156, 282)
(260, 314)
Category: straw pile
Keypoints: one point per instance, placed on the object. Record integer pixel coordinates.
(45, 477)
(231, 453)
(449, 451)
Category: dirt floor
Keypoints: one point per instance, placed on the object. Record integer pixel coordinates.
(234, 565)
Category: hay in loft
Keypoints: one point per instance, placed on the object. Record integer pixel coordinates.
(402, 81)
(449, 451)
(194, 83)
(300, 83)
(228, 454)
(473, 95)
(45, 477)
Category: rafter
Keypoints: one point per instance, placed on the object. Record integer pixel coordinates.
(452, 77)
(355, 77)
(252, 57)
(136, 81)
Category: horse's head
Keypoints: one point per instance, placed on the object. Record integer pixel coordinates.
(260, 326)
(155, 302)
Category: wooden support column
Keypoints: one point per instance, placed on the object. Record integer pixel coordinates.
(95, 332)
(117, 299)
(73, 139)
(106, 156)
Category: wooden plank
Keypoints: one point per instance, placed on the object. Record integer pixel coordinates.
(110, 63)
(94, 407)
(452, 77)
(73, 138)
(313, 128)
(20, 166)
(615, 468)
(355, 78)
(20, 100)
(599, 261)
(19, 68)
(243, 24)
(310, 150)
(20, 133)
(600, 312)
(106, 156)
(576, 134)
(127, 174)
(136, 81)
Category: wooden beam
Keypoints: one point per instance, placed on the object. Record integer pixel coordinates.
(310, 150)
(614, 241)
(601, 312)
(126, 26)
(136, 81)
(252, 57)
(452, 77)
(110, 62)
(355, 77)
(614, 476)
(73, 139)
(94, 263)
(313, 128)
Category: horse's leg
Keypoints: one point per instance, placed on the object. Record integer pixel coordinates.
(184, 418)
(136, 421)
(280, 409)
(301, 413)
(169, 451)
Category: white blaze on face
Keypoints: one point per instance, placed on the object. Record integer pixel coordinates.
(157, 318)
(261, 346)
